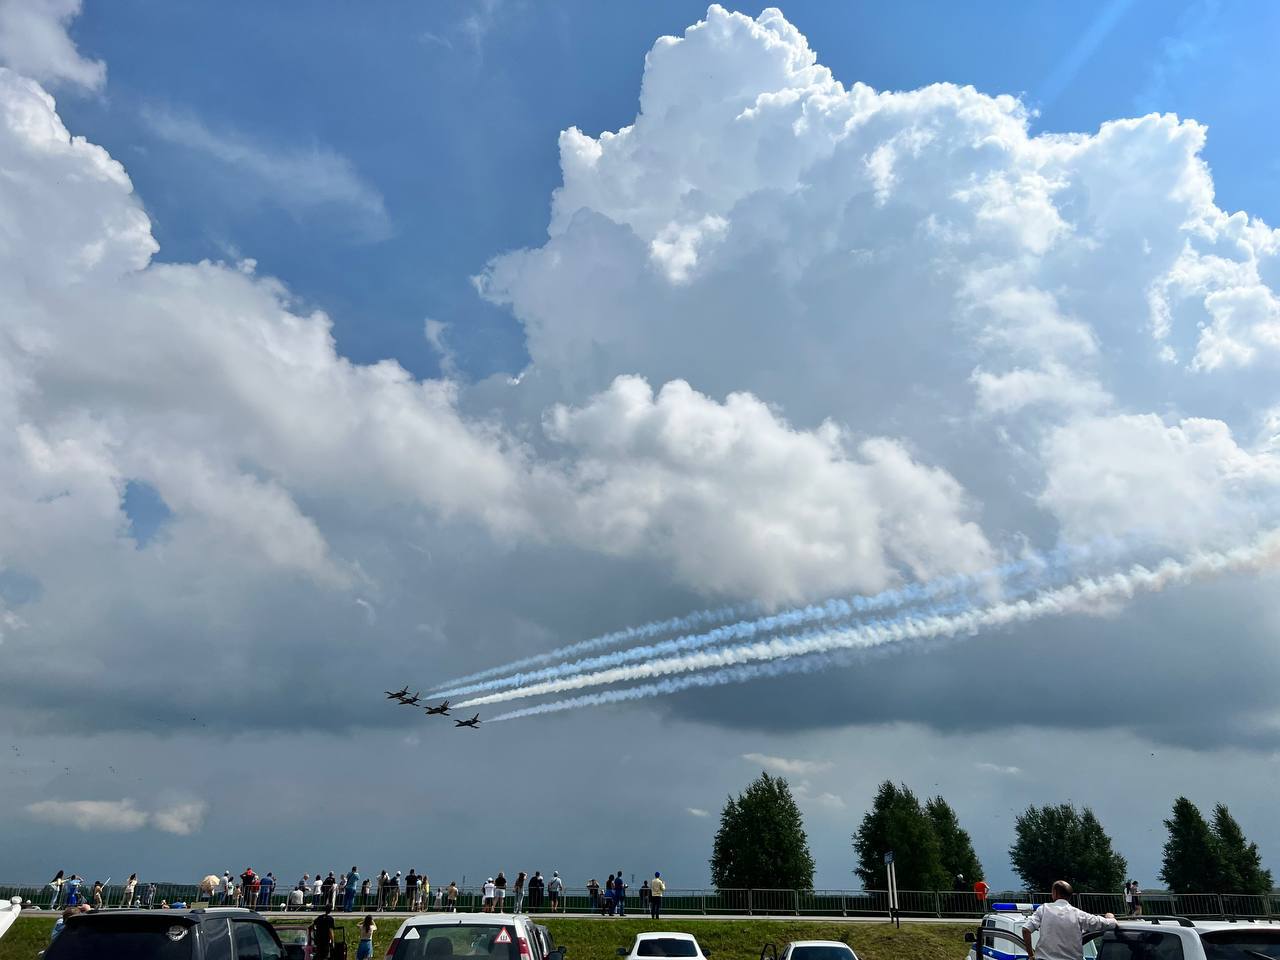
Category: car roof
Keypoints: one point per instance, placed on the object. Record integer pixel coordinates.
(456, 919)
(195, 914)
(652, 934)
(1209, 926)
(819, 943)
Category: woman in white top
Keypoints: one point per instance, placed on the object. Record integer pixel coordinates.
(130, 885)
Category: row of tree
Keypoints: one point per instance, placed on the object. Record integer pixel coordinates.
(761, 843)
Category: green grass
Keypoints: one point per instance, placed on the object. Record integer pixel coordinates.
(599, 939)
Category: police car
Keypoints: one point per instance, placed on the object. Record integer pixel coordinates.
(1136, 938)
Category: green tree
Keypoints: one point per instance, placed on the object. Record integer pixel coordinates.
(955, 848)
(761, 841)
(1241, 863)
(1193, 860)
(1058, 842)
(897, 822)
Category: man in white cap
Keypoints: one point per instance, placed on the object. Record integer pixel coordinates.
(554, 888)
(488, 895)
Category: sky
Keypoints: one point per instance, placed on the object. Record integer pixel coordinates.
(354, 346)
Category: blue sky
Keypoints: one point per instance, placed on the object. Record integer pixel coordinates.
(778, 343)
(450, 111)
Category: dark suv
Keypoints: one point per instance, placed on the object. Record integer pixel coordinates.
(213, 934)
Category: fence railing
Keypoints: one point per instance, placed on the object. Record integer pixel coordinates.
(688, 902)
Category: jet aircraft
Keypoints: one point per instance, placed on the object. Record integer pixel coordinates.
(411, 701)
(397, 694)
(442, 709)
(472, 723)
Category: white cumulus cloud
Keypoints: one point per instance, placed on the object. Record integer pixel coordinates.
(34, 41)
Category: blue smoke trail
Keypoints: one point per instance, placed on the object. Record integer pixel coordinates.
(771, 658)
(1048, 567)
(1035, 573)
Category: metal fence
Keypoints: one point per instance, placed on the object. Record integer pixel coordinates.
(694, 902)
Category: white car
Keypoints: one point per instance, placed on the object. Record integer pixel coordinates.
(494, 936)
(649, 945)
(9, 911)
(810, 950)
(1146, 938)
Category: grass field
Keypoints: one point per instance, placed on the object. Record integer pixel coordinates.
(599, 939)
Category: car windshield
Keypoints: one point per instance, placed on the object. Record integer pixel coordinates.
(139, 938)
(439, 942)
(826, 952)
(1241, 944)
(666, 947)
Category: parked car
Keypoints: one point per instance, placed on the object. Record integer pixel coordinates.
(201, 934)
(1139, 938)
(664, 945)
(299, 943)
(809, 950)
(9, 911)
(439, 936)
(549, 949)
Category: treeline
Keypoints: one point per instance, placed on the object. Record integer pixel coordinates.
(761, 843)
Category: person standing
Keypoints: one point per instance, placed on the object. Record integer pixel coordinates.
(644, 895)
(73, 890)
(554, 889)
(395, 891)
(364, 891)
(593, 894)
(1137, 897)
(488, 896)
(317, 891)
(499, 891)
(97, 894)
(149, 897)
(424, 892)
(322, 935)
(411, 890)
(519, 891)
(131, 885)
(619, 895)
(656, 890)
(367, 929)
(1062, 927)
(353, 879)
(56, 886)
(606, 906)
(536, 884)
(453, 897)
(246, 886)
(268, 887)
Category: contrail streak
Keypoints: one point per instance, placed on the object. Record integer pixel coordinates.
(834, 611)
(854, 605)
(1080, 595)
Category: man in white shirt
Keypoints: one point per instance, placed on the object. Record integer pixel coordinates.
(489, 889)
(1062, 927)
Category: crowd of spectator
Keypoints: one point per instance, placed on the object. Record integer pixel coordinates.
(351, 891)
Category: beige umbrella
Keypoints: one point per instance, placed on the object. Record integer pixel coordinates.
(210, 883)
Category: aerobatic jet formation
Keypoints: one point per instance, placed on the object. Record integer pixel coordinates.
(411, 701)
(472, 723)
(440, 710)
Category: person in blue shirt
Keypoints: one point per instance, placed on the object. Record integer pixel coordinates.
(264, 892)
(353, 884)
(73, 891)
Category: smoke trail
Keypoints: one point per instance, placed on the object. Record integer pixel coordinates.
(856, 604)
(830, 612)
(1081, 595)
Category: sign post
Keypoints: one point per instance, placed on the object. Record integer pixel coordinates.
(892, 871)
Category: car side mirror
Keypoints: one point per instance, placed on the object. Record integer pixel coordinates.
(622, 951)
(970, 937)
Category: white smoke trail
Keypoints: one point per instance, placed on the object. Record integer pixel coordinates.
(1081, 595)
(1044, 568)
(836, 608)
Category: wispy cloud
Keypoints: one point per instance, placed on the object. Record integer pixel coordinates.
(304, 181)
(996, 768)
(787, 765)
(698, 812)
(183, 818)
